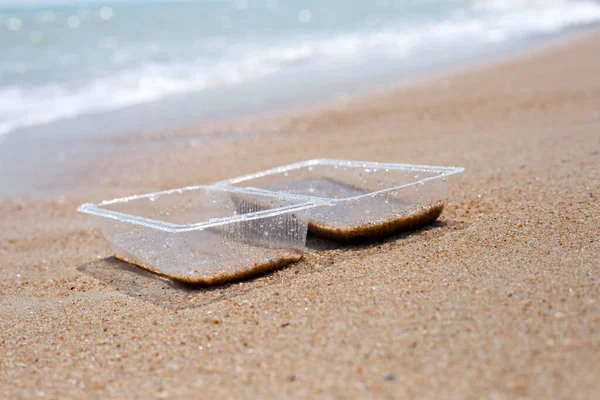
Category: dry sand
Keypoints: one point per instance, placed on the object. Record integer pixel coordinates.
(500, 299)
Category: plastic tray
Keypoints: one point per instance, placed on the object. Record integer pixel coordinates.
(366, 199)
(205, 234)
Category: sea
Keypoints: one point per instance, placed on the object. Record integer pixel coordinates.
(104, 67)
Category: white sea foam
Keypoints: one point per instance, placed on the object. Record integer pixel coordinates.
(484, 22)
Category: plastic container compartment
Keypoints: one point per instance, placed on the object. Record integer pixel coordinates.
(366, 199)
(205, 234)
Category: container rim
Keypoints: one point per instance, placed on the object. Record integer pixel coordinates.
(97, 210)
(443, 171)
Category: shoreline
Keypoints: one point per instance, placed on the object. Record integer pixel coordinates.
(500, 298)
(54, 153)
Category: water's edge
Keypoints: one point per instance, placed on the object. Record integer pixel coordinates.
(38, 160)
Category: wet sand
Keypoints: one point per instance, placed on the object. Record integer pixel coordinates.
(498, 299)
(223, 277)
(377, 230)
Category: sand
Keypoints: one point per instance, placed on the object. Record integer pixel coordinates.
(377, 230)
(220, 278)
(498, 299)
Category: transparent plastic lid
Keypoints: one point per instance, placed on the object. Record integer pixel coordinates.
(205, 234)
(367, 199)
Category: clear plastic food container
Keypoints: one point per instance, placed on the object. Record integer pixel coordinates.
(366, 199)
(205, 234)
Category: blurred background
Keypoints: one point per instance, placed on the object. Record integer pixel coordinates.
(141, 64)
(75, 74)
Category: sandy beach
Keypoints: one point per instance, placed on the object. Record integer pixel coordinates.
(498, 299)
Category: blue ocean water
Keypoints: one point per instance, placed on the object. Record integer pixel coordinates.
(62, 62)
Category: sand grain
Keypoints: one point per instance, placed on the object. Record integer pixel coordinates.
(501, 301)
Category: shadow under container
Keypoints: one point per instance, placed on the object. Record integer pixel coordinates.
(365, 200)
(205, 234)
